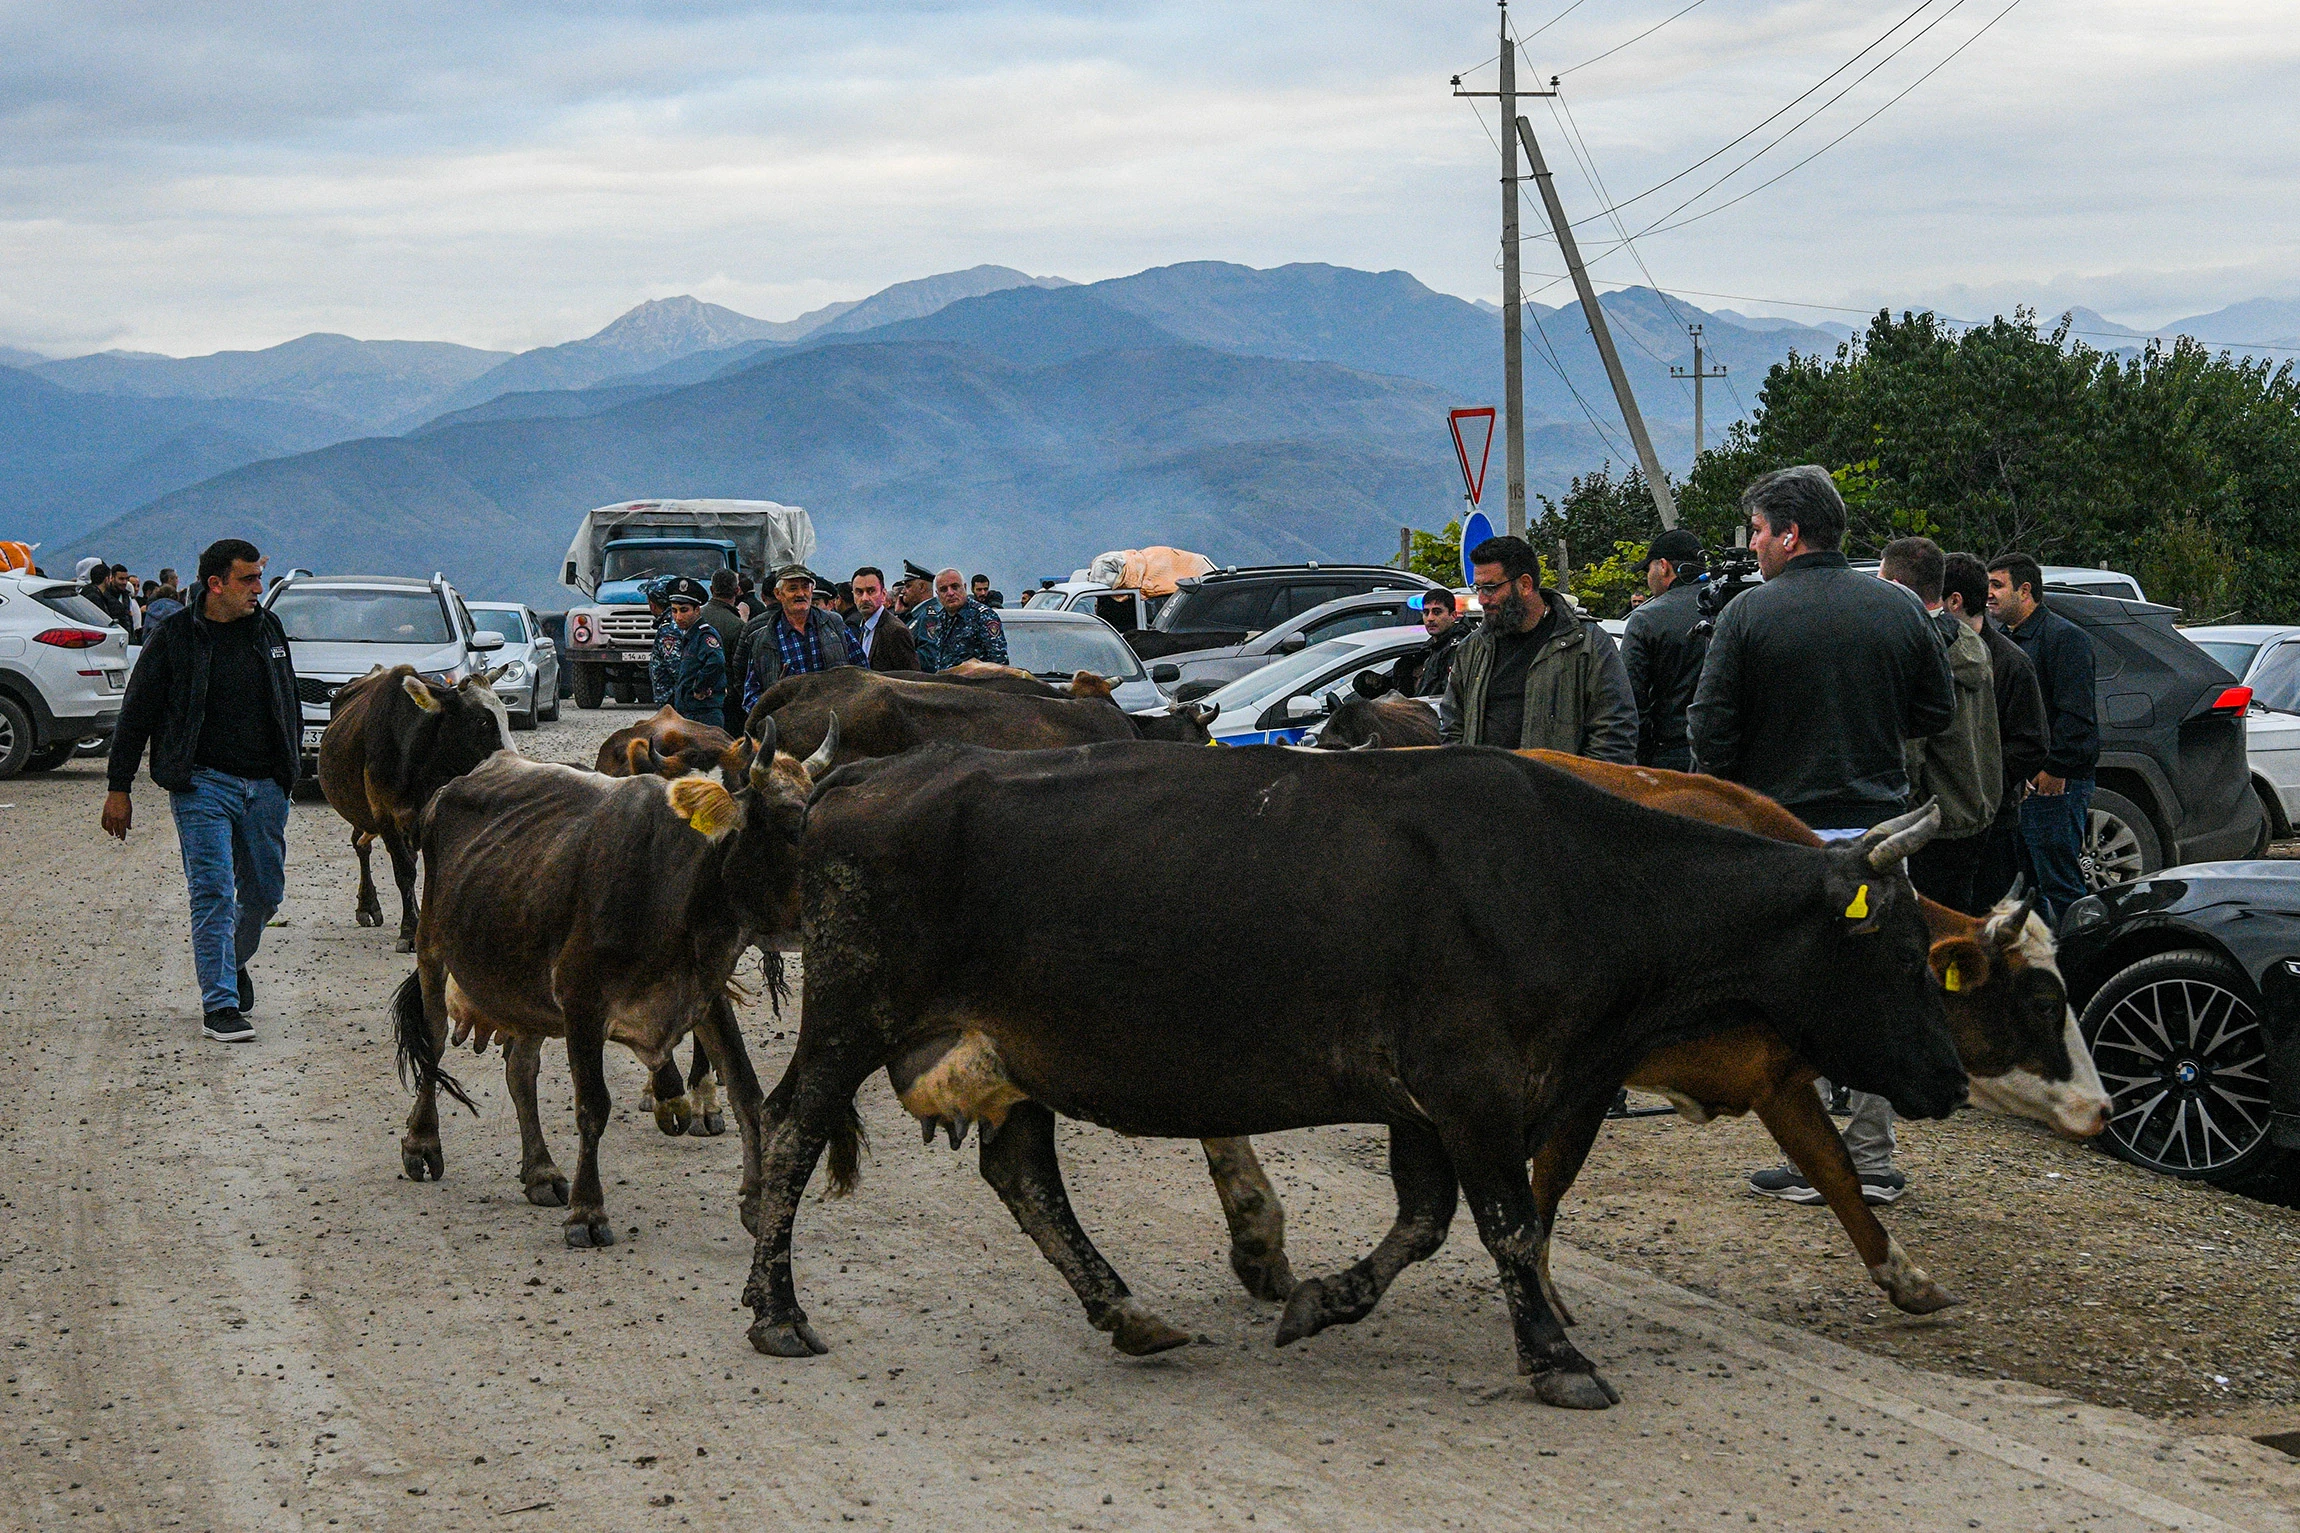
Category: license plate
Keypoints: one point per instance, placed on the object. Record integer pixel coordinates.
(311, 734)
(115, 680)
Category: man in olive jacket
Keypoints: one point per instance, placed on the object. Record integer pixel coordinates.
(1963, 765)
(1536, 675)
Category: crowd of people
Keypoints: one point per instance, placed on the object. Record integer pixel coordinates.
(718, 648)
(136, 606)
(1844, 698)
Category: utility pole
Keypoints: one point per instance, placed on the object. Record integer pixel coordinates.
(1512, 316)
(1596, 317)
(1697, 375)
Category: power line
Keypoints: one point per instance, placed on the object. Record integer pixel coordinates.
(1588, 158)
(1640, 37)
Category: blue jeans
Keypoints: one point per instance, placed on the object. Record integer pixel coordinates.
(234, 837)
(2052, 838)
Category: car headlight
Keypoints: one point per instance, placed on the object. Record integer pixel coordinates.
(513, 673)
(2088, 912)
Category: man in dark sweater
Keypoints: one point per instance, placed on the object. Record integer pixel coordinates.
(2058, 811)
(214, 695)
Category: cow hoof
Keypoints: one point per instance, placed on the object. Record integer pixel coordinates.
(548, 1192)
(1908, 1285)
(1930, 1299)
(793, 1338)
(368, 917)
(671, 1117)
(1574, 1391)
(584, 1234)
(1270, 1278)
(1305, 1312)
(1142, 1334)
(422, 1162)
(709, 1126)
(405, 944)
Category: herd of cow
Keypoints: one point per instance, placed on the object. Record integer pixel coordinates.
(1474, 948)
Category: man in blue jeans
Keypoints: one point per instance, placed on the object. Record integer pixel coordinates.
(2058, 812)
(214, 695)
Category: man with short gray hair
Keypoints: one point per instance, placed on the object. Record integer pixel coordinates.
(957, 628)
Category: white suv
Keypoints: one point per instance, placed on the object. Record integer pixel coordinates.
(63, 668)
(340, 627)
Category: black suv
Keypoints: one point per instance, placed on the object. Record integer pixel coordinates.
(2174, 786)
(1229, 606)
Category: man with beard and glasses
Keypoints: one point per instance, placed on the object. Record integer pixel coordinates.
(1536, 675)
(1813, 684)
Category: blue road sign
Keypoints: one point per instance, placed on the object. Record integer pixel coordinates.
(1475, 529)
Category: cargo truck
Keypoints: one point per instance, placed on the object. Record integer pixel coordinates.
(619, 548)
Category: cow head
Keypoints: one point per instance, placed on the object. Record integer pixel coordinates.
(456, 727)
(758, 826)
(1359, 722)
(1185, 722)
(1858, 996)
(1088, 684)
(2014, 1028)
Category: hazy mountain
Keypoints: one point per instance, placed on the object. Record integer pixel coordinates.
(13, 356)
(916, 300)
(71, 461)
(364, 384)
(2257, 322)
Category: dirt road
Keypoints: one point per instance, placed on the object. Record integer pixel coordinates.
(223, 1307)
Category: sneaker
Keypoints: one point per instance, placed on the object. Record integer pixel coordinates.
(228, 1026)
(247, 992)
(1786, 1183)
(1883, 1186)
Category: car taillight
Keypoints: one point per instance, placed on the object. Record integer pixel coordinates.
(70, 638)
(2231, 700)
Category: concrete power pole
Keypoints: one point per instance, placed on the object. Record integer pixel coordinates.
(1697, 375)
(1662, 502)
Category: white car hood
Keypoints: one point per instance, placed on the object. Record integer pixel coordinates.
(343, 661)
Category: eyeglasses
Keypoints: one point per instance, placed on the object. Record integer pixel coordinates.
(1485, 588)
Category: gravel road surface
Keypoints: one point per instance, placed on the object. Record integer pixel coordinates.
(223, 1306)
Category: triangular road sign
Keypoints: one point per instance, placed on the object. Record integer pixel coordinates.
(1465, 425)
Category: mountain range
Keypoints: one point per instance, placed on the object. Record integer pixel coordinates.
(984, 417)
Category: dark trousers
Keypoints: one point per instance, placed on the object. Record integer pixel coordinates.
(2052, 829)
(2001, 862)
(1945, 871)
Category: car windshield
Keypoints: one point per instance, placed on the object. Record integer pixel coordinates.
(644, 563)
(1064, 649)
(2276, 683)
(2233, 654)
(1045, 599)
(348, 615)
(1256, 688)
(494, 620)
(67, 602)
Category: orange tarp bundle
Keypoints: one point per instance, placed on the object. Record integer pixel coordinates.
(15, 556)
(1152, 571)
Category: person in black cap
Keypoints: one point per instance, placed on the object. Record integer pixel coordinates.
(700, 690)
(1662, 647)
(914, 596)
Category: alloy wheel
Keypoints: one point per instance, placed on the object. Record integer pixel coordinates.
(2111, 854)
(2184, 1061)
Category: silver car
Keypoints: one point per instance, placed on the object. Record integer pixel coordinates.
(340, 627)
(529, 685)
(1055, 645)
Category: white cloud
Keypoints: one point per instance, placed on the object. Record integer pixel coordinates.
(181, 178)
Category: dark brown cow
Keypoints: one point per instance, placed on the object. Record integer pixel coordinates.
(676, 745)
(392, 740)
(2007, 1014)
(881, 716)
(1392, 722)
(560, 903)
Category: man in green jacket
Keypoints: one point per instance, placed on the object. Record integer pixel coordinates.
(1963, 765)
(1536, 675)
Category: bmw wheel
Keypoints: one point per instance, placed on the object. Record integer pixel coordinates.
(2178, 1042)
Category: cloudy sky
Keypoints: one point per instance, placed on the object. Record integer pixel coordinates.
(183, 177)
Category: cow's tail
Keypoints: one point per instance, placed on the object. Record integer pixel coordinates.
(847, 1144)
(418, 1050)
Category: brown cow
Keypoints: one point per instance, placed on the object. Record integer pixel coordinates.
(676, 745)
(1390, 721)
(2007, 1014)
(392, 740)
(559, 903)
(879, 715)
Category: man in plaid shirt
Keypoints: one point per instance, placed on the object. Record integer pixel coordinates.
(957, 628)
(793, 638)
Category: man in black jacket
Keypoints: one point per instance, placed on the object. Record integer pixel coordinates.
(2021, 737)
(2058, 812)
(214, 695)
(720, 613)
(1812, 684)
(1662, 650)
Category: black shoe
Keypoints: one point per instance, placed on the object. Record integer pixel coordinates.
(1883, 1186)
(228, 1026)
(1785, 1183)
(247, 992)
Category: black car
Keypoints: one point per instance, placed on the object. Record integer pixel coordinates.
(2174, 786)
(2187, 984)
(1230, 606)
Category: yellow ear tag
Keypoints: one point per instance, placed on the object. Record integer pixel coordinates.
(1951, 980)
(1859, 909)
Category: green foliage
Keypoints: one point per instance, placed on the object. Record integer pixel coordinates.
(2186, 565)
(1438, 554)
(1608, 588)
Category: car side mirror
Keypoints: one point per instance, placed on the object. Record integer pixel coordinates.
(1165, 675)
(1299, 709)
(1293, 644)
(486, 638)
